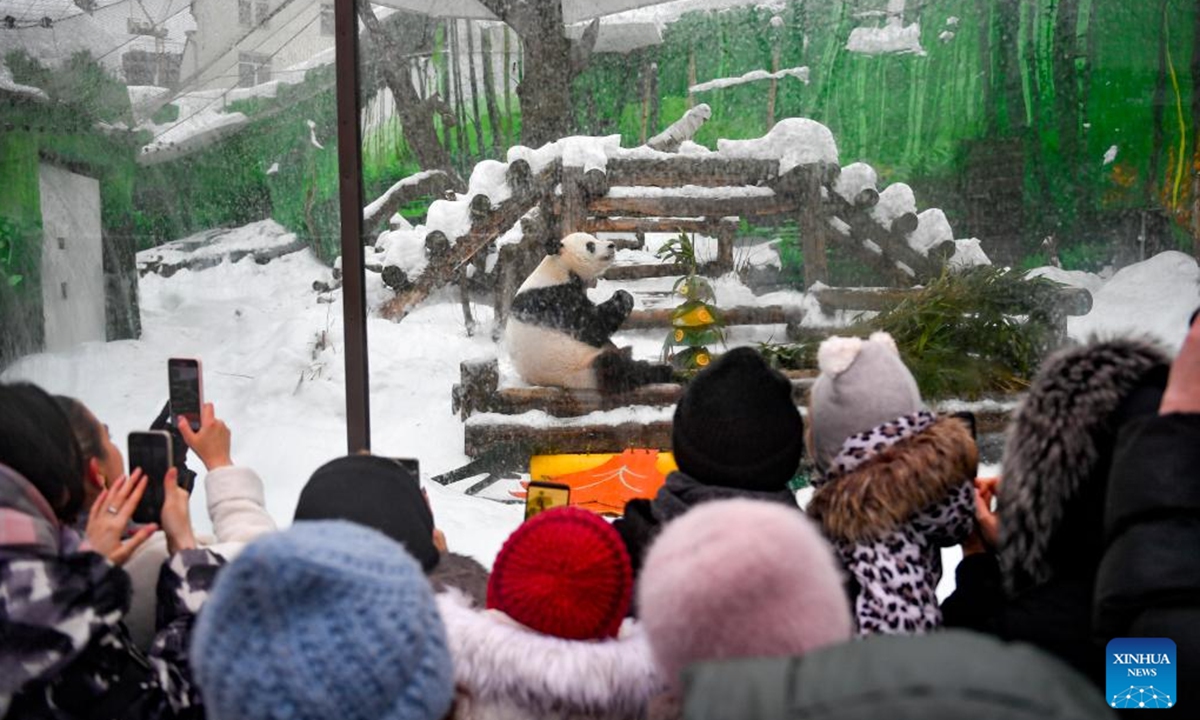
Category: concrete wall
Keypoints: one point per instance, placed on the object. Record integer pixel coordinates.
(72, 269)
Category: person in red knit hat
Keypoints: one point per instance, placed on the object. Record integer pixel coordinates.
(553, 641)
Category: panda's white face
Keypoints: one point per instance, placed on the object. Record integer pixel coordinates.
(586, 256)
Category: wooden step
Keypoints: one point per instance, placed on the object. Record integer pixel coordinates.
(483, 432)
(704, 226)
(691, 202)
(641, 272)
(705, 170)
(753, 315)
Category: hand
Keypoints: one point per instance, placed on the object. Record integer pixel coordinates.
(1183, 386)
(109, 516)
(624, 301)
(176, 518)
(211, 442)
(439, 537)
(987, 522)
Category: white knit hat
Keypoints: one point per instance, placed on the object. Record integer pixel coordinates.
(863, 383)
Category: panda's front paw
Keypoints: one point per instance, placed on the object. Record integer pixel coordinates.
(624, 302)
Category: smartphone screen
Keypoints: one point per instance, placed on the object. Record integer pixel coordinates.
(151, 451)
(542, 496)
(184, 381)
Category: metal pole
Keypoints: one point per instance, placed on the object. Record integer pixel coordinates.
(354, 298)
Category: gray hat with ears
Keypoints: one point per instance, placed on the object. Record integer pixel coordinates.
(863, 383)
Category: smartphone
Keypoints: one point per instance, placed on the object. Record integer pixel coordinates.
(150, 450)
(186, 384)
(541, 496)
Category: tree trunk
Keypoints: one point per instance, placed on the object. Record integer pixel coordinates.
(549, 62)
(508, 111)
(444, 72)
(489, 92)
(459, 107)
(416, 115)
(545, 88)
(691, 98)
(477, 121)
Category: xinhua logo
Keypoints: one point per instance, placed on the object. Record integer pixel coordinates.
(1141, 673)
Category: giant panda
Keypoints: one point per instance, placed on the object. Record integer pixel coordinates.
(556, 336)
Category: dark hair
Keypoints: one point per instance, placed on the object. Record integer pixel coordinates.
(85, 427)
(36, 440)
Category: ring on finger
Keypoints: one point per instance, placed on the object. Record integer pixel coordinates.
(111, 510)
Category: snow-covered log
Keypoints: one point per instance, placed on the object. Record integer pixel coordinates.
(682, 129)
(430, 182)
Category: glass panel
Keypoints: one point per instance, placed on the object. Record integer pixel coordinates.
(168, 188)
(809, 152)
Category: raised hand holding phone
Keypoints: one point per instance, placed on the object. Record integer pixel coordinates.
(110, 515)
(542, 496)
(211, 441)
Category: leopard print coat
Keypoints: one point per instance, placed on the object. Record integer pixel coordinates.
(892, 498)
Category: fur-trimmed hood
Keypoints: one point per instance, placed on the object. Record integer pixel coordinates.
(505, 671)
(881, 495)
(1059, 437)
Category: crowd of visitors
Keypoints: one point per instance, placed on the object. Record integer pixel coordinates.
(721, 597)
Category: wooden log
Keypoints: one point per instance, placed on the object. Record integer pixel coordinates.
(660, 204)
(573, 201)
(437, 245)
(905, 224)
(633, 243)
(395, 278)
(862, 299)
(641, 272)
(813, 230)
(594, 182)
(483, 433)
(684, 128)
(430, 182)
(479, 436)
(560, 402)
(753, 315)
(704, 226)
(480, 206)
(866, 198)
(680, 170)
(482, 234)
(726, 234)
(479, 380)
(519, 178)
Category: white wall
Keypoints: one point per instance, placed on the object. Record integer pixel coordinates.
(72, 257)
(291, 36)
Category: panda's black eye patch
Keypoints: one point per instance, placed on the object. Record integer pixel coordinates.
(591, 246)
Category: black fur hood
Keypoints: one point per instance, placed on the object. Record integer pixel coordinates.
(1058, 447)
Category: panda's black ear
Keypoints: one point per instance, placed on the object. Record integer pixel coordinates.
(591, 247)
(553, 246)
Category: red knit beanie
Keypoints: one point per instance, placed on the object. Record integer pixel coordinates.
(564, 573)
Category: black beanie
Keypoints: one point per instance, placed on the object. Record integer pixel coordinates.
(377, 492)
(737, 426)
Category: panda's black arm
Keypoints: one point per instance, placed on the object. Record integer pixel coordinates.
(566, 308)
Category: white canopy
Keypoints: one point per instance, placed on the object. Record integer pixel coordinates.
(573, 10)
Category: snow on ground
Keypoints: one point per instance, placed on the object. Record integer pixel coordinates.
(1155, 297)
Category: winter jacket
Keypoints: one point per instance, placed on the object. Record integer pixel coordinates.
(505, 671)
(237, 508)
(1148, 583)
(1039, 586)
(64, 652)
(644, 518)
(461, 573)
(891, 499)
(950, 675)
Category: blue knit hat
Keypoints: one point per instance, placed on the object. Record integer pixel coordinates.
(325, 620)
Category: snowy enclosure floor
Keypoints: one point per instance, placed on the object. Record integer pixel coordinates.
(273, 364)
